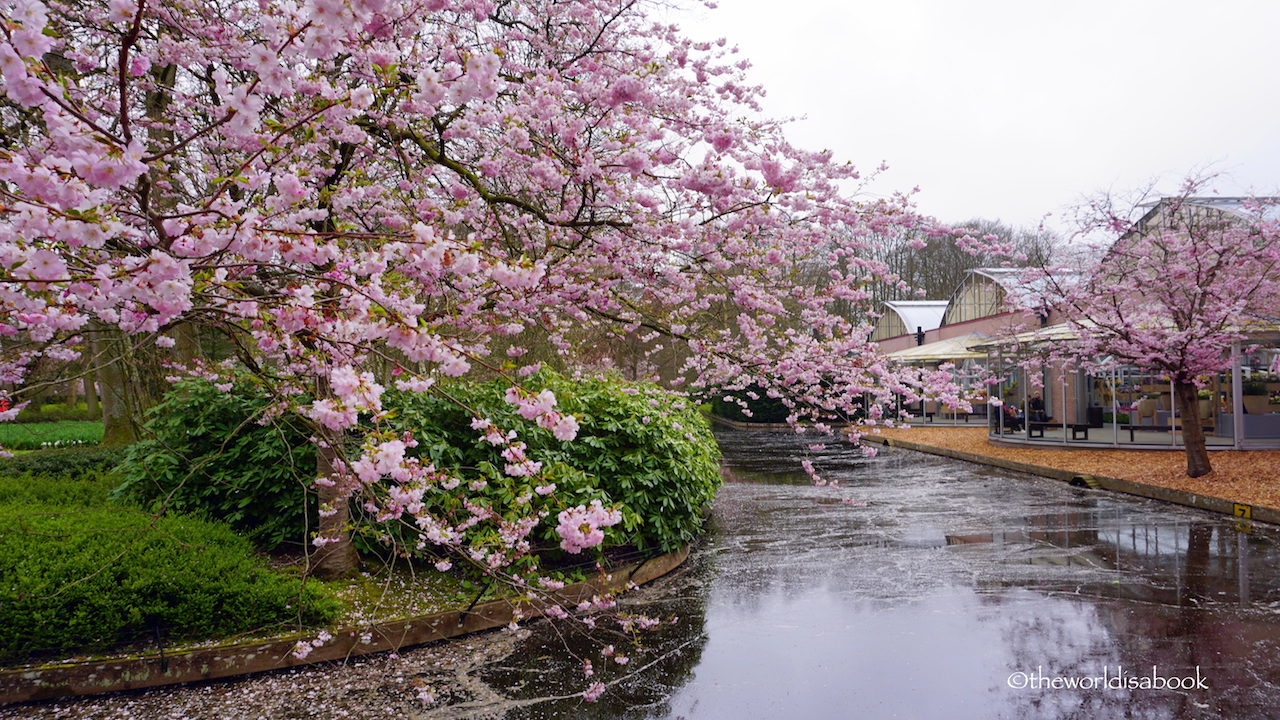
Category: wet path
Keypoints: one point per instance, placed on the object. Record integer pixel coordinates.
(956, 592)
(919, 587)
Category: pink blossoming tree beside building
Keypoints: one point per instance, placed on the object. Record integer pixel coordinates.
(1172, 295)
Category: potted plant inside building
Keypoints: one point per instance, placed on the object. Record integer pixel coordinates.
(1146, 407)
(1256, 401)
(977, 401)
(1205, 397)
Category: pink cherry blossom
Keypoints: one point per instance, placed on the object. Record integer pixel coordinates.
(1168, 287)
(43, 265)
(593, 693)
(566, 428)
(580, 527)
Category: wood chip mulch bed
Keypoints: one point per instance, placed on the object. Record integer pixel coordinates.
(1244, 476)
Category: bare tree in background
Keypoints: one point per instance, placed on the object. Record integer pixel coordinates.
(937, 265)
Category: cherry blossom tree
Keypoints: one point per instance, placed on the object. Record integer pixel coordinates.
(335, 186)
(1183, 282)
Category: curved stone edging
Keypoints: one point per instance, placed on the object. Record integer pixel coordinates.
(208, 663)
(1179, 497)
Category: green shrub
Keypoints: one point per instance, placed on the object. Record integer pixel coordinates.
(210, 456)
(637, 446)
(38, 435)
(98, 579)
(85, 491)
(73, 462)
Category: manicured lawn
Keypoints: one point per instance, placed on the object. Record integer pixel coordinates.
(33, 436)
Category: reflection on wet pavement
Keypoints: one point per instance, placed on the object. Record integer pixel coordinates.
(927, 588)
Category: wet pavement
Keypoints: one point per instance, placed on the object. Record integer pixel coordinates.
(918, 587)
(956, 591)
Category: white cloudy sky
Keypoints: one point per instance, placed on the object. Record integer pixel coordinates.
(1012, 109)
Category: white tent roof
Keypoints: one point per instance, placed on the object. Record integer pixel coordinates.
(1060, 332)
(924, 314)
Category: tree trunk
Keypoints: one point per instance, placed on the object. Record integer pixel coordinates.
(1187, 397)
(118, 399)
(73, 393)
(130, 380)
(187, 344)
(91, 392)
(333, 559)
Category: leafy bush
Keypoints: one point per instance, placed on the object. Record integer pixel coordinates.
(210, 456)
(93, 579)
(35, 436)
(637, 446)
(73, 462)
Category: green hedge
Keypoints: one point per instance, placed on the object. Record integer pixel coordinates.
(73, 462)
(57, 412)
(81, 579)
(85, 491)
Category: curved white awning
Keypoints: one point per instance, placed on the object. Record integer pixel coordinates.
(956, 348)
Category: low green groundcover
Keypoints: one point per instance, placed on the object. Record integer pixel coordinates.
(77, 579)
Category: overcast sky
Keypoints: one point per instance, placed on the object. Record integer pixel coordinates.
(1012, 109)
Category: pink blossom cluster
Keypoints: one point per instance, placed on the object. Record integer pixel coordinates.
(593, 692)
(581, 527)
(540, 408)
(518, 464)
